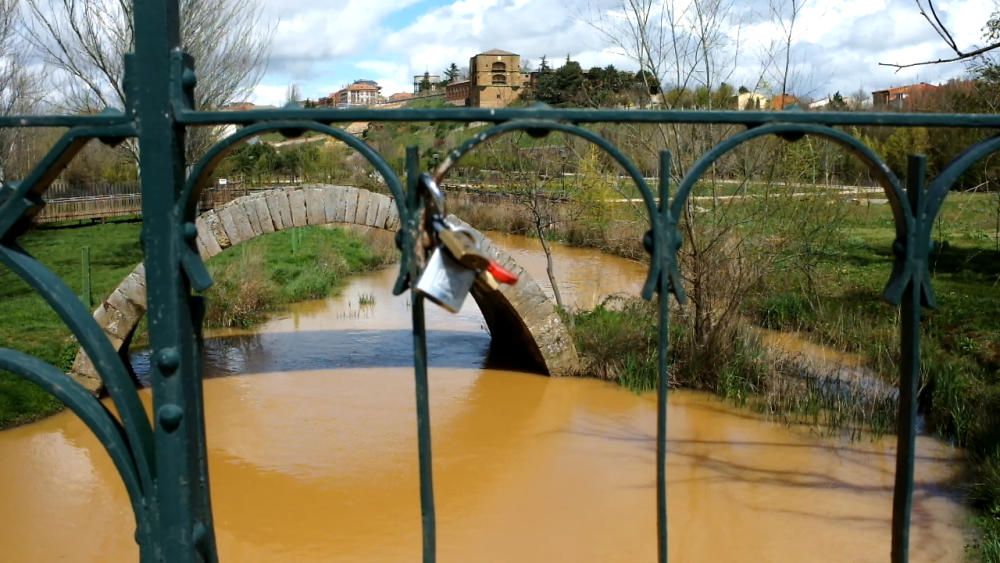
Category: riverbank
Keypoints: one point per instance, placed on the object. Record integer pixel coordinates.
(827, 289)
(251, 280)
(268, 273)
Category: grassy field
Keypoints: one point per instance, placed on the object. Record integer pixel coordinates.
(251, 280)
(960, 356)
(31, 326)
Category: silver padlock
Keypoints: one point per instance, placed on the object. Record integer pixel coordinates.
(445, 281)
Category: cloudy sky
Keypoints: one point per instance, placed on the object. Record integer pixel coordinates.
(324, 45)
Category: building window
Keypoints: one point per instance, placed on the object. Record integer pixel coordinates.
(499, 67)
(499, 79)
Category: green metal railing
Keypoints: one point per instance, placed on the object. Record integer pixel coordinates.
(163, 461)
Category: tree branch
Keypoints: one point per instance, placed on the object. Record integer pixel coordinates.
(959, 57)
(942, 30)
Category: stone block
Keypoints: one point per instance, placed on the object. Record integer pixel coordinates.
(242, 222)
(383, 211)
(372, 215)
(263, 214)
(350, 206)
(251, 213)
(207, 238)
(392, 221)
(84, 373)
(297, 203)
(121, 316)
(333, 200)
(226, 217)
(133, 287)
(215, 227)
(316, 206)
(281, 213)
(361, 213)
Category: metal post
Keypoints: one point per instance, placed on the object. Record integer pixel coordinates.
(909, 366)
(86, 295)
(427, 515)
(663, 298)
(183, 506)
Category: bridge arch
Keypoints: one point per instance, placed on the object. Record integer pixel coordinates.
(522, 320)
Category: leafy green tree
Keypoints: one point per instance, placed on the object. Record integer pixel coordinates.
(544, 65)
(452, 73)
(425, 83)
(649, 80)
(837, 102)
(724, 97)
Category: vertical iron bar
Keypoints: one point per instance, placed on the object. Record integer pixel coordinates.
(662, 368)
(909, 377)
(86, 295)
(184, 531)
(427, 516)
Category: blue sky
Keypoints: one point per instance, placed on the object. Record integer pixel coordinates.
(323, 45)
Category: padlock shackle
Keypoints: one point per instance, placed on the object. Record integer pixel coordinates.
(432, 193)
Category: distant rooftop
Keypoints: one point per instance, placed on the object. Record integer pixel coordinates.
(498, 52)
(906, 89)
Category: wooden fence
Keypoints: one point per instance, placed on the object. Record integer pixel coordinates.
(74, 202)
(65, 202)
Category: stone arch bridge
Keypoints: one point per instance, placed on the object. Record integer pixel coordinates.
(523, 322)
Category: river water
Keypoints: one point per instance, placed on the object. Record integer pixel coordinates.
(313, 456)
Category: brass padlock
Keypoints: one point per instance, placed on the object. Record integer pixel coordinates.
(463, 245)
(445, 281)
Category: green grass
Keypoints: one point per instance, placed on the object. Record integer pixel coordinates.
(960, 355)
(30, 325)
(323, 257)
(618, 341)
(294, 265)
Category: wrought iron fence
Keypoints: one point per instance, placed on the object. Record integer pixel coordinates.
(163, 461)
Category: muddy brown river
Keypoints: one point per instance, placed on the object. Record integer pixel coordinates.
(313, 456)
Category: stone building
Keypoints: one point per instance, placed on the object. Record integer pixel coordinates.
(457, 93)
(901, 97)
(751, 101)
(360, 93)
(495, 79)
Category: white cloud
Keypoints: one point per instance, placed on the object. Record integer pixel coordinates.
(837, 46)
(312, 31)
(390, 75)
(269, 94)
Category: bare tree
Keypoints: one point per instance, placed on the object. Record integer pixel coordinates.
(991, 33)
(680, 44)
(785, 13)
(692, 47)
(86, 40)
(19, 87)
(293, 94)
(557, 187)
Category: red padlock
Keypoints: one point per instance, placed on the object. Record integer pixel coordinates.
(501, 274)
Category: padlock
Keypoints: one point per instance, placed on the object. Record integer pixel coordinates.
(445, 281)
(463, 246)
